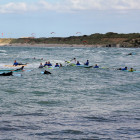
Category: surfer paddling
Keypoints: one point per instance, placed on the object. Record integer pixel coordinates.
(16, 63)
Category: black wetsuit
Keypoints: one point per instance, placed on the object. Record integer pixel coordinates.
(19, 68)
(47, 72)
(7, 74)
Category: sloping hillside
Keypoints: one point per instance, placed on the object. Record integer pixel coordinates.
(107, 40)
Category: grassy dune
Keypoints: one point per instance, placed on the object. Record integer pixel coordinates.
(107, 40)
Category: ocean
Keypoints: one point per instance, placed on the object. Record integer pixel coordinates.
(73, 103)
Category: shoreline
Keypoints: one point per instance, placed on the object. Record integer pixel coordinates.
(50, 45)
(63, 45)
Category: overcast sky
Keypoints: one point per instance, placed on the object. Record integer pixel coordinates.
(39, 18)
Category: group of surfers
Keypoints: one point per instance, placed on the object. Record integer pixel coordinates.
(49, 65)
(73, 61)
(125, 69)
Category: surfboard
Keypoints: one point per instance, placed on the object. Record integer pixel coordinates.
(84, 66)
(14, 66)
(17, 74)
(51, 67)
(6, 70)
(136, 71)
(132, 71)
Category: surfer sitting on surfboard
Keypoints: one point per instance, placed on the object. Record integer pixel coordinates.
(46, 64)
(49, 64)
(78, 63)
(73, 61)
(87, 63)
(57, 65)
(131, 70)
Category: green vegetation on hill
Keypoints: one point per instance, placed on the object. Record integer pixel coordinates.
(108, 40)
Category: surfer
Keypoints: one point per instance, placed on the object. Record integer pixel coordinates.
(41, 66)
(19, 68)
(47, 72)
(73, 61)
(49, 64)
(130, 54)
(7, 74)
(96, 66)
(46, 64)
(61, 65)
(57, 65)
(131, 70)
(16, 63)
(87, 63)
(78, 63)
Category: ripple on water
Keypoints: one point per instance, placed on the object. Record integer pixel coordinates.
(50, 103)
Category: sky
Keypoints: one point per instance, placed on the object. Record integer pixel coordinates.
(39, 18)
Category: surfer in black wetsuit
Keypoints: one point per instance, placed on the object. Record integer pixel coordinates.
(19, 68)
(7, 74)
(47, 72)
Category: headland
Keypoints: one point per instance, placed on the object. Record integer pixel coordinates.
(109, 39)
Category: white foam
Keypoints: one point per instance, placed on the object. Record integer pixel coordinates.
(3, 51)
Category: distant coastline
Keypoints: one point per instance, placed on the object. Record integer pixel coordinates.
(110, 39)
(49, 45)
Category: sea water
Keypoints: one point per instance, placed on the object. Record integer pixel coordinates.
(73, 102)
